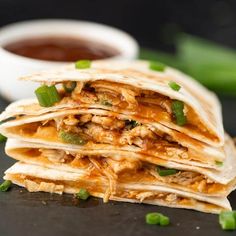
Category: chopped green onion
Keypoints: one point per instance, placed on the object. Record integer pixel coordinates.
(177, 108)
(157, 66)
(130, 124)
(227, 220)
(219, 163)
(134, 123)
(83, 64)
(165, 172)
(174, 86)
(156, 218)
(72, 138)
(2, 138)
(106, 103)
(83, 194)
(69, 86)
(47, 95)
(153, 218)
(164, 220)
(5, 185)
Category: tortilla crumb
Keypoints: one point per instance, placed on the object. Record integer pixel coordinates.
(44, 203)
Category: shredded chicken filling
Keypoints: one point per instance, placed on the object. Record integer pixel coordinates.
(34, 184)
(144, 103)
(128, 170)
(109, 130)
(97, 129)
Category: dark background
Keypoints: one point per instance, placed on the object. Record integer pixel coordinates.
(154, 23)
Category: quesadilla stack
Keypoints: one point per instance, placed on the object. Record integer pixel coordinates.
(124, 132)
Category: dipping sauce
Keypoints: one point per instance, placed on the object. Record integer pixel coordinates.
(60, 49)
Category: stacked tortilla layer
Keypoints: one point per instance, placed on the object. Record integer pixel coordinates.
(116, 134)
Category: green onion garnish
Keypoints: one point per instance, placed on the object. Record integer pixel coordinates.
(69, 86)
(174, 86)
(153, 218)
(177, 108)
(2, 138)
(106, 103)
(72, 138)
(164, 220)
(227, 220)
(83, 64)
(130, 124)
(165, 172)
(5, 185)
(47, 95)
(134, 123)
(157, 66)
(219, 163)
(156, 218)
(83, 194)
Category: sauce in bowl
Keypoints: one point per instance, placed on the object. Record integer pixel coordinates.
(60, 49)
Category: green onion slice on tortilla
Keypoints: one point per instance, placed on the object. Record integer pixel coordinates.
(47, 95)
(157, 66)
(72, 138)
(106, 103)
(162, 171)
(177, 108)
(83, 64)
(174, 86)
(219, 163)
(83, 194)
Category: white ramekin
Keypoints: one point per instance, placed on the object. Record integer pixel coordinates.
(13, 66)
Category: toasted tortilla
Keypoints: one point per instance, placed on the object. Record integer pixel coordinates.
(37, 178)
(137, 74)
(215, 182)
(198, 153)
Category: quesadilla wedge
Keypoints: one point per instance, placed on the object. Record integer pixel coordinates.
(102, 129)
(38, 178)
(132, 88)
(124, 166)
(124, 132)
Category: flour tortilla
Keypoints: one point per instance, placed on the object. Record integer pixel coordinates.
(210, 154)
(137, 73)
(224, 175)
(69, 182)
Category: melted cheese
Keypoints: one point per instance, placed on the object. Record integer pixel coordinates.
(123, 171)
(97, 189)
(145, 140)
(154, 110)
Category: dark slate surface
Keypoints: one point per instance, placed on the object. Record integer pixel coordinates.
(42, 214)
